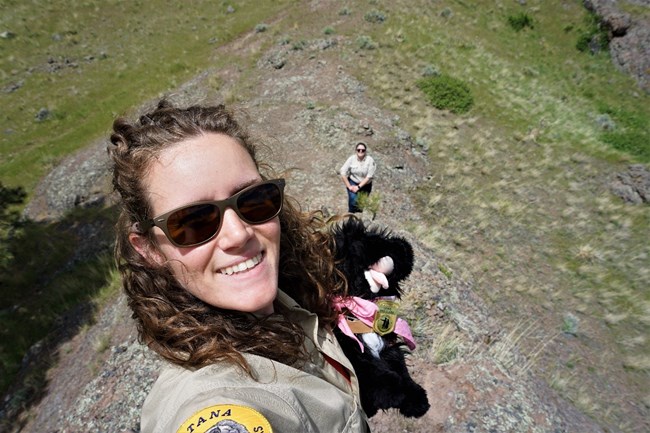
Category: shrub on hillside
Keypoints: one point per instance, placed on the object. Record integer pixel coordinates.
(374, 17)
(447, 93)
(430, 71)
(592, 37)
(446, 13)
(299, 45)
(520, 21)
(261, 28)
(366, 43)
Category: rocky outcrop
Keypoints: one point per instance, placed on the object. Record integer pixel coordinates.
(629, 38)
(81, 181)
(633, 185)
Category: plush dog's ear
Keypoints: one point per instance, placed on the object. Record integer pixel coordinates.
(359, 247)
(401, 251)
(350, 240)
(350, 256)
(381, 242)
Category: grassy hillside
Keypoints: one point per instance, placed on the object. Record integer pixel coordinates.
(80, 64)
(85, 62)
(517, 200)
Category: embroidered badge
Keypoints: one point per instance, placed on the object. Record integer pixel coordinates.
(386, 316)
(229, 418)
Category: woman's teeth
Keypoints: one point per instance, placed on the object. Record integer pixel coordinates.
(243, 266)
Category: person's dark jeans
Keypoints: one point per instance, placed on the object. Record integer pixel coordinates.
(352, 196)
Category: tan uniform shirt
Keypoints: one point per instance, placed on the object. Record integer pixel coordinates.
(283, 399)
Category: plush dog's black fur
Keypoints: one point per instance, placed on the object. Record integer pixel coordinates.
(384, 382)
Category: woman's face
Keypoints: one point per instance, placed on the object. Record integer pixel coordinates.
(214, 167)
(361, 151)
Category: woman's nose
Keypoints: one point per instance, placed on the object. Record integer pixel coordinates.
(234, 232)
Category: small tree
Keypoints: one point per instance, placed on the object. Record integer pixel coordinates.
(370, 203)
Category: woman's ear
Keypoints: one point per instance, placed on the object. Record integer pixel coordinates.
(143, 246)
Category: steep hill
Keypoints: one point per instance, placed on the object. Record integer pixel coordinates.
(303, 95)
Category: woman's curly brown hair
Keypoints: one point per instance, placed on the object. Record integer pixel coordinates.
(173, 322)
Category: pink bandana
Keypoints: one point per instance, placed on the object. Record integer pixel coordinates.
(365, 310)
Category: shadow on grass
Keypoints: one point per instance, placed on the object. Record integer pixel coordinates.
(57, 273)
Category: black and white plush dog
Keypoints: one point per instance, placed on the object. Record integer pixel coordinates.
(369, 332)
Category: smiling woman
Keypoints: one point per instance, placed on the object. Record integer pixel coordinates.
(224, 277)
(209, 252)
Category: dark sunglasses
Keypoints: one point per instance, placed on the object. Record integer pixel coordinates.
(197, 223)
(361, 150)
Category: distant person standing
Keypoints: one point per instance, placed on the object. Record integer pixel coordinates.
(357, 174)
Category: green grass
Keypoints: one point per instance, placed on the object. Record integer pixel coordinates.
(138, 53)
(629, 132)
(512, 76)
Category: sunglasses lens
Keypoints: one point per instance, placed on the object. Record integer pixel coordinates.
(198, 223)
(194, 224)
(260, 204)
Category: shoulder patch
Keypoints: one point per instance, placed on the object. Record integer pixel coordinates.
(229, 418)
